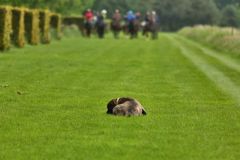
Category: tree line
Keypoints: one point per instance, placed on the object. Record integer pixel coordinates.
(65, 7)
(173, 14)
(176, 14)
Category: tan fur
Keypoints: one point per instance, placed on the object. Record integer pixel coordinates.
(125, 107)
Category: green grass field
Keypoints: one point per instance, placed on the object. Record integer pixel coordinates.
(53, 100)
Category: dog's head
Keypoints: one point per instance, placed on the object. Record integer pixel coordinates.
(111, 105)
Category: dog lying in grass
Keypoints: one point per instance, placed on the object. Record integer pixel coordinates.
(125, 107)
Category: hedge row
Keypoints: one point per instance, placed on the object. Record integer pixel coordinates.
(5, 27)
(78, 21)
(32, 26)
(45, 19)
(18, 27)
(73, 21)
(56, 23)
(21, 25)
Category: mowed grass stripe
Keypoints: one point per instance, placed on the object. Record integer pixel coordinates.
(211, 72)
(231, 73)
(226, 60)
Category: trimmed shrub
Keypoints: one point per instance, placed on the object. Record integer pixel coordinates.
(20, 24)
(73, 20)
(56, 23)
(78, 21)
(32, 29)
(18, 27)
(5, 27)
(45, 18)
(71, 31)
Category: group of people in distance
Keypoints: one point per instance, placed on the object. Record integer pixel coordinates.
(130, 23)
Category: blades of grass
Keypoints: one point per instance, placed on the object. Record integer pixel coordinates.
(224, 59)
(222, 81)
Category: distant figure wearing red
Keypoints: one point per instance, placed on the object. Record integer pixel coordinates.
(88, 16)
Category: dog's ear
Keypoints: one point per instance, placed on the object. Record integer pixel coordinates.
(144, 111)
(110, 106)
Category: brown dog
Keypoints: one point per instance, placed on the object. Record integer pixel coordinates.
(125, 107)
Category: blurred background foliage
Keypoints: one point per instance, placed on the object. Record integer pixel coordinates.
(173, 14)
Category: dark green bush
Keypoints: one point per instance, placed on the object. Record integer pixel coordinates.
(56, 23)
(5, 27)
(45, 19)
(18, 27)
(32, 29)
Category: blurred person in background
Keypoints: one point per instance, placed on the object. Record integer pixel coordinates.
(146, 24)
(100, 23)
(154, 22)
(137, 24)
(88, 17)
(131, 17)
(116, 23)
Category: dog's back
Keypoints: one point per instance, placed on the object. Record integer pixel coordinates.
(125, 107)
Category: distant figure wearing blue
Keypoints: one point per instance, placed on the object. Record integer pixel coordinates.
(131, 17)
